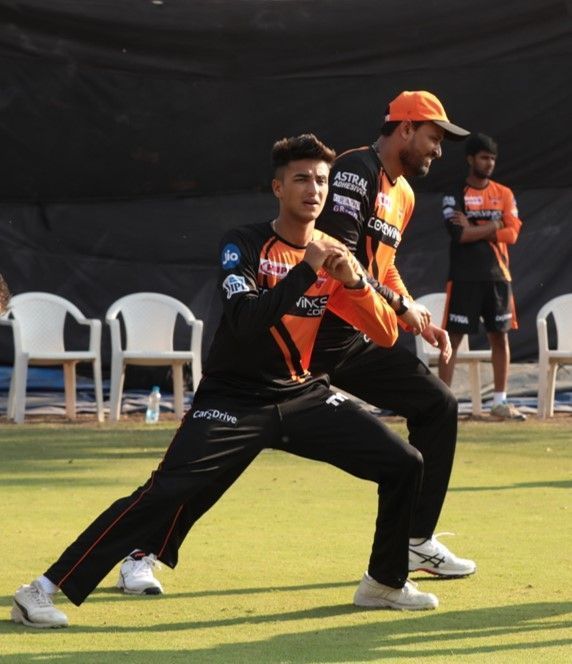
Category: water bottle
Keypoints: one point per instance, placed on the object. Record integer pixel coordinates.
(153, 406)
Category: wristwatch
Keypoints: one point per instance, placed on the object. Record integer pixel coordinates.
(404, 305)
(359, 284)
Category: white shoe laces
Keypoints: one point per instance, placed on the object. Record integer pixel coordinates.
(145, 565)
(40, 596)
(439, 545)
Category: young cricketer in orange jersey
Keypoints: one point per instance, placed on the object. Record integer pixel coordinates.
(276, 280)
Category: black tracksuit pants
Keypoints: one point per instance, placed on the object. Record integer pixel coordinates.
(389, 378)
(216, 441)
(395, 379)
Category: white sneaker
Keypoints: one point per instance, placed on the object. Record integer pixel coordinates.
(374, 595)
(435, 558)
(34, 607)
(507, 411)
(136, 576)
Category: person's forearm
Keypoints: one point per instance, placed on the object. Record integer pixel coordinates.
(485, 231)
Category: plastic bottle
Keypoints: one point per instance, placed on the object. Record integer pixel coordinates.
(153, 406)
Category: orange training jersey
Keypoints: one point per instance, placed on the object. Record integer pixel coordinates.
(484, 260)
(273, 303)
(368, 212)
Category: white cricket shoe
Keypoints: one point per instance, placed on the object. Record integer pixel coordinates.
(374, 595)
(507, 411)
(136, 576)
(34, 607)
(435, 558)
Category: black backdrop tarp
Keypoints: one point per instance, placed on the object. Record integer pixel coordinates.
(93, 253)
(134, 132)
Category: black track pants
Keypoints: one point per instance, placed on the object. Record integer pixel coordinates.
(395, 379)
(389, 378)
(217, 439)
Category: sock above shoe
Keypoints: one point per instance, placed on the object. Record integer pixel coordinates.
(46, 585)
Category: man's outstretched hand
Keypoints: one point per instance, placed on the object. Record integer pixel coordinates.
(439, 338)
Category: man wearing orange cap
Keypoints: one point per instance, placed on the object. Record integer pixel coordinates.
(369, 206)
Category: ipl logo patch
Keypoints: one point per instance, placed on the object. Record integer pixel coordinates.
(234, 284)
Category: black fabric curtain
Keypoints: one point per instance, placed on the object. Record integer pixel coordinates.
(134, 132)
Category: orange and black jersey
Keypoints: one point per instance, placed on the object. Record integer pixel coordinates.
(484, 260)
(273, 303)
(368, 212)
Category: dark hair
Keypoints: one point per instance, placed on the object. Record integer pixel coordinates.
(305, 146)
(480, 143)
(387, 128)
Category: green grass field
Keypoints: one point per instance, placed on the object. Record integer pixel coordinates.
(269, 573)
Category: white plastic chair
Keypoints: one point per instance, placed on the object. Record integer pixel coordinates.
(550, 359)
(435, 302)
(149, 320)
(37, 320)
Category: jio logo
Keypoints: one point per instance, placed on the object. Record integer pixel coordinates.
(230, 256)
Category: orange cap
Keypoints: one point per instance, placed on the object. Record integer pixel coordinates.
(422, 106)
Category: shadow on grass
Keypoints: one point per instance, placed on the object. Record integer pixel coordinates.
(26, 455)
(418, 636)
(557, 484)
(111, 593)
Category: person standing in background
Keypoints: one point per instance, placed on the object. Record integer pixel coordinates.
(482, 220)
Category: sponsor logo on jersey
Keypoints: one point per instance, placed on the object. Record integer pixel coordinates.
(310, 306)
(336, 399)
(449, 201)
(273, 269)
(383, 201)
(230, 256)
(384, 232)
(484, 215)
(342, 209)
(347, 201)
(448, 212)
(346, 205)
(234, 284)
(215, 414)
(350, 182)
(503, 317)
(473, 200)
(458, 318)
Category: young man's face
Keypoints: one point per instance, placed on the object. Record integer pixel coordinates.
(482, 164)
(423, 145)
(302, 187)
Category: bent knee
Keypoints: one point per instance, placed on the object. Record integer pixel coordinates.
(442, 400)
(411, 460)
